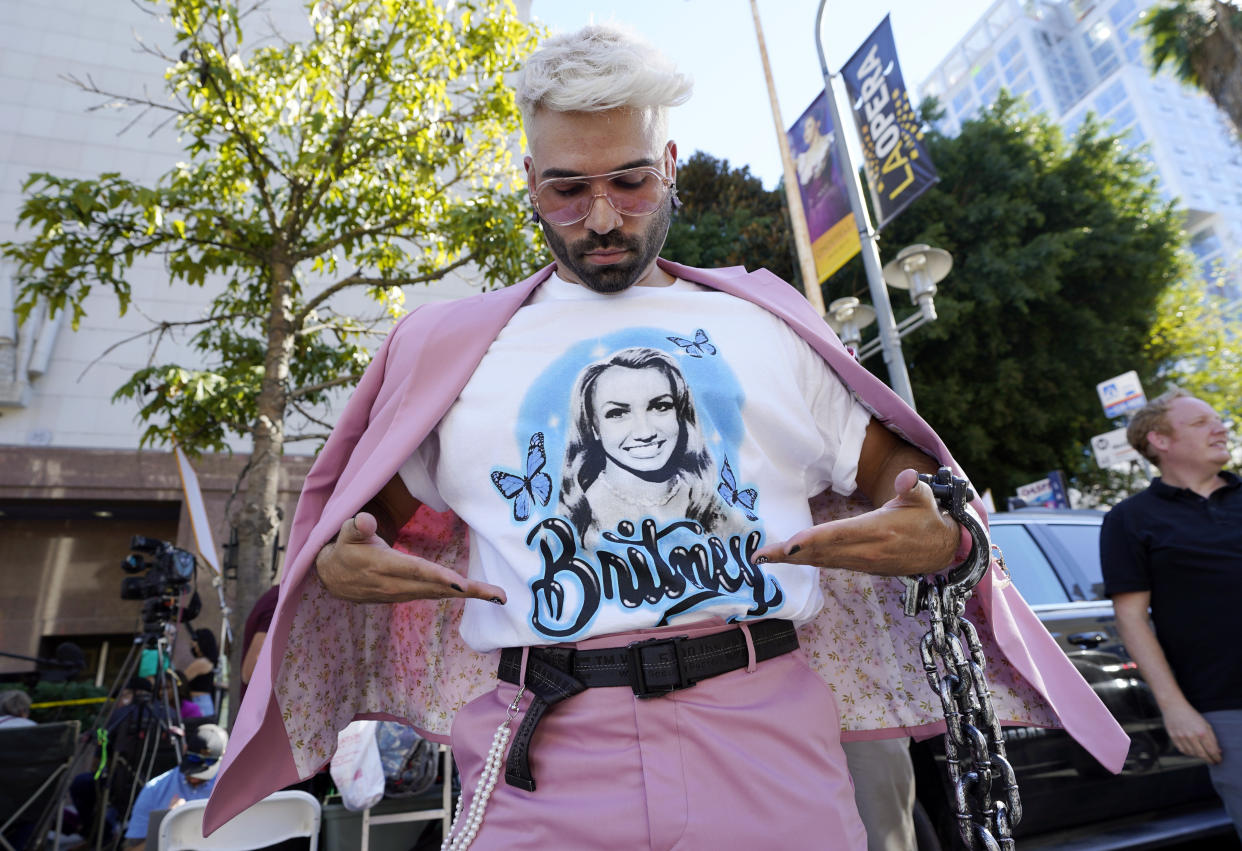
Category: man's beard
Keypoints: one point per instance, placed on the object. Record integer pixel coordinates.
(615, 277)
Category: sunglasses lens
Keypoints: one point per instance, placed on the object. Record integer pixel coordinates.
(564, 201)
(634, 192)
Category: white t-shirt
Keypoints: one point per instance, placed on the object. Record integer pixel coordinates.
(619, 458)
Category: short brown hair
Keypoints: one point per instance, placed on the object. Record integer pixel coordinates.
(1152, 417)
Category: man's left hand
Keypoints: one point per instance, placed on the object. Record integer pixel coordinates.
(906, 535)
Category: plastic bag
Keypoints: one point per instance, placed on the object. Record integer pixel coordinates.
(356, 768)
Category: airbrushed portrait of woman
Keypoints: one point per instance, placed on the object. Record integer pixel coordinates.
(635, 449)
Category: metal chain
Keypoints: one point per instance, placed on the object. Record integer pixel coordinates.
(953, 661)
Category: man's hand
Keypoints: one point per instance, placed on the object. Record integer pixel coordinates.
(1191, 733)
(908, 534)
(360, 567)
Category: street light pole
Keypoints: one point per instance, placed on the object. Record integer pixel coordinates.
(890, 342)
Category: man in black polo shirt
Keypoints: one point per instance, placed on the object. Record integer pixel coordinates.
(1177, 547)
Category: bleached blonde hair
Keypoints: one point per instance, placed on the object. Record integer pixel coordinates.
(600, 67)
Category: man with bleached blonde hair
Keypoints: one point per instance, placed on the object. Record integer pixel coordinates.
(642, 684)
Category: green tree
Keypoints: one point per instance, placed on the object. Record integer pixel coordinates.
(727, 218)
(371, 155)
(1061, 249)
(1202, 41)
(1195, 340)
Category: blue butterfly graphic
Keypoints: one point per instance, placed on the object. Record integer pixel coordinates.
(536, 484)
(743, 499)
(697, 347)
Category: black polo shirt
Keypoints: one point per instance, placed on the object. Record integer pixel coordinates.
(1187, 551)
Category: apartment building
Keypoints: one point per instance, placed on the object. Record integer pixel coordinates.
(1071, 57)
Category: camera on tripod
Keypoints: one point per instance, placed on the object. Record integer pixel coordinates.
(166, 571)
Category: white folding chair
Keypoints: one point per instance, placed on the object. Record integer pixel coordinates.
(279, 816)
(444, 813)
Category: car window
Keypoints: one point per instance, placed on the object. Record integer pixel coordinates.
(1082, 544)
(1028, 566)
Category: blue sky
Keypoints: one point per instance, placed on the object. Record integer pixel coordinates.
(714, 40)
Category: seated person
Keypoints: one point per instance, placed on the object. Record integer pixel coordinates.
(189, 707)
(15, 709)
(192, 780)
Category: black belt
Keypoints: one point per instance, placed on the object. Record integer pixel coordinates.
(651, 668)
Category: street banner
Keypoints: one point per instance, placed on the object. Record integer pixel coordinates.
(1048, 492)
(897, 165)
(1121, 394)
(829, 221)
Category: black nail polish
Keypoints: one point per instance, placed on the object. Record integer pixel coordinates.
(762, 560)
(795, 549)
(497, 601)
(457, 588)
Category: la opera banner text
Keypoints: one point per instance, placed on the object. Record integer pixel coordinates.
(898, 168)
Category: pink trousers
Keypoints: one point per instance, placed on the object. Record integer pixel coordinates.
(748, 759)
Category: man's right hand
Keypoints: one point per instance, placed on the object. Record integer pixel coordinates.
(361, 568)
(1191, 733)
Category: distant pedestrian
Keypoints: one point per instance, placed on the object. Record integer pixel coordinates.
(201, 672)
(1177, 548)
(15, 709)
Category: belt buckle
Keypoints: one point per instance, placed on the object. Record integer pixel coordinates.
(638, 682)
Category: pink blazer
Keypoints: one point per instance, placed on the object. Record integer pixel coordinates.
(327, 662)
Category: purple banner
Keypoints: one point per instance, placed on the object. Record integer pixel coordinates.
(834, 235)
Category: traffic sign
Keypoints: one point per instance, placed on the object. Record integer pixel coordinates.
(1112, 449)
(1121, 394)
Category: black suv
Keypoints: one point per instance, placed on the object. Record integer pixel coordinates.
(1069, 800)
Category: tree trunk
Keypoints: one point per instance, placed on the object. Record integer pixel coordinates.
(258, 521)
(1218, 63)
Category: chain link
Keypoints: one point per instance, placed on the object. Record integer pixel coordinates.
(984, 788)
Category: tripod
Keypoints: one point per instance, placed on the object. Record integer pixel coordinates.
(129, 739)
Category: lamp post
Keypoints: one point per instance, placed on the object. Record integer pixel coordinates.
(918, 268)
(847, 317)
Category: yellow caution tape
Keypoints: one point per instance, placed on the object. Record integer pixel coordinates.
(78, 702)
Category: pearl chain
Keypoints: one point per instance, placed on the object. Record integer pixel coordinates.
(483, 789)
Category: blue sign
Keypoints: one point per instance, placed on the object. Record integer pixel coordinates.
(1048, 492)
(897, 165)
(1121, 395)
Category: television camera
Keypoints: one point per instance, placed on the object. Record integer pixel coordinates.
(161, 573)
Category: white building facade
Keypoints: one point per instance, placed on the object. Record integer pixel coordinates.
(1072, 57)
(74, 485)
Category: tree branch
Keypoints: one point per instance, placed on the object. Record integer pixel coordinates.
(360, 280)
(160, 328)
(253, 157)
(311, 417)
(311, 436)
(301, 392)
(91, 87)
(338, 143)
